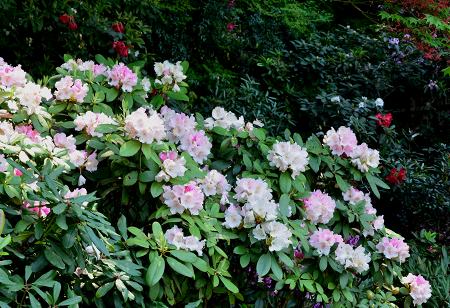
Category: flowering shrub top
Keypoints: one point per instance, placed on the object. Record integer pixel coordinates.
(194, 199)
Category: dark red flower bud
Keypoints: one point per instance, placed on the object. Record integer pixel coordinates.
(384, 120)
(120, 48)
(231, 26)
(73, 26)
(396, 176)
(64, 18)
(118, 27)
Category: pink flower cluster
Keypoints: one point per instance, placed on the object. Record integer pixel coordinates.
(120, 76)
(28, 131)
(82, 159)
(85, 66)
(145, 128)
(172, 166)
(71, 90)
(181, 198)
(323, 239)
(353, 196)
(11, 76)
(175, 236)
(39, 207)
(77, 192)
(215, 183)
(319, 207)
(395, 249)
(181, 128)
(178, 125)
(63, 141)
(342, 141)
(90, 121)
(197, 145)
(419, 288)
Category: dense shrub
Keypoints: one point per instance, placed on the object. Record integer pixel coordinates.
(193, 200)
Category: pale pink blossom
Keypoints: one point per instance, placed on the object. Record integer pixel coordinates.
(61, 140)
(319, 207)
(342, 141)
(71, 90)
(12, 76)
(28, 131)
(395, 249)
(30, 96)
(178, 125)
(3, 163)
(233, 217)
(323, 239)
(181, 198)
(39, 207)
(355, 259)
(122, 77)
(175, 236)
(197, 145)
(215, 183)
(419, 288)
(90, 121)
(172, 166)
(146, 128)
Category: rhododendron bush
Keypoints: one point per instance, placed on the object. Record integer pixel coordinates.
(111, 197)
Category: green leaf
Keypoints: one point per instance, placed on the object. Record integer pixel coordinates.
(284, 204)
(53, 258)
(71, 301)
(157, 101)
(155, 271)
(104, 289)
(276, 269)
(343, 280)
(150, 154)
(343, 185)
(285, 259)
(314, 163)
(106, 128)
(229, 285)
(259, 133)
(156, 189)
(111, 94)
(183, 255)
(147, 176)
(122, 226)
(263, 265)
(323, 263)
(285, 182)
(244, 260)
(179, 96)
(130, 179)
(372, 184)
(180, 268)
(2, 221)
(60, 208)
(129, 148)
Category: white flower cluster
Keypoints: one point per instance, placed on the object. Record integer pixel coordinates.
(172, 166)
(286, 155)
(364, 157)
(169, 74)
(356, 258)
(259, 211)
(90, 121)
(175, 236)
(145, 128)
(30, 97)
(226, 119)
(215, 183)
(276, 234)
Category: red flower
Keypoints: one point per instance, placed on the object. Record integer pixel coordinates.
(120, 48)
(231, 26)
(384, 120)
(64, 18)
(73, 25)
(118, 27)
(396, 176)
